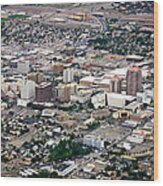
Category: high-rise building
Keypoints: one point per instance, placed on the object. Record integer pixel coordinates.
(63, 93)
(28, 90)
(27, 93)
(68, 75)
(44, 92)
(133, 80)
(116, 84)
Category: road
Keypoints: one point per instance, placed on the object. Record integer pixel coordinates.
(18, 142)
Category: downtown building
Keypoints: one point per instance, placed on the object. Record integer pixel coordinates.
(68, 75)
(27, 93)
(63, 93)
(116, 84)
(133, 80)
(44, 92)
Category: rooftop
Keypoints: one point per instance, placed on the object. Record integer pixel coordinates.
(135, 68)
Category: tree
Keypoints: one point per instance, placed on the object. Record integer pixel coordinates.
(67, 149)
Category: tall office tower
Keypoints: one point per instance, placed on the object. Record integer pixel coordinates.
(116, 84)
(64, 92)
(133, 80)
(28, 90)
(44, 92)
(68, 75)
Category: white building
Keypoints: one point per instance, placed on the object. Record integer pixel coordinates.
(125, 145)
(68, 75)
(27, 92)
(66, 168)
(130, 123)
(23, 67)
(48, 113)
(93, 141)
(119, 100)
(99, 100)
(135, 138)
(145, 97)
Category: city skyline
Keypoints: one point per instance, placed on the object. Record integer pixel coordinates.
(77, 91)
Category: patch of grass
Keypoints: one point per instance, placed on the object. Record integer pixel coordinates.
(4, 19)
(18, 16)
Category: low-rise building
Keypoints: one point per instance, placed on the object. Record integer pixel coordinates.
(48, 113)
(99, 100)
(119, 100)
(135, 138)
(130, 124)
(101, 114)
(65, 168)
